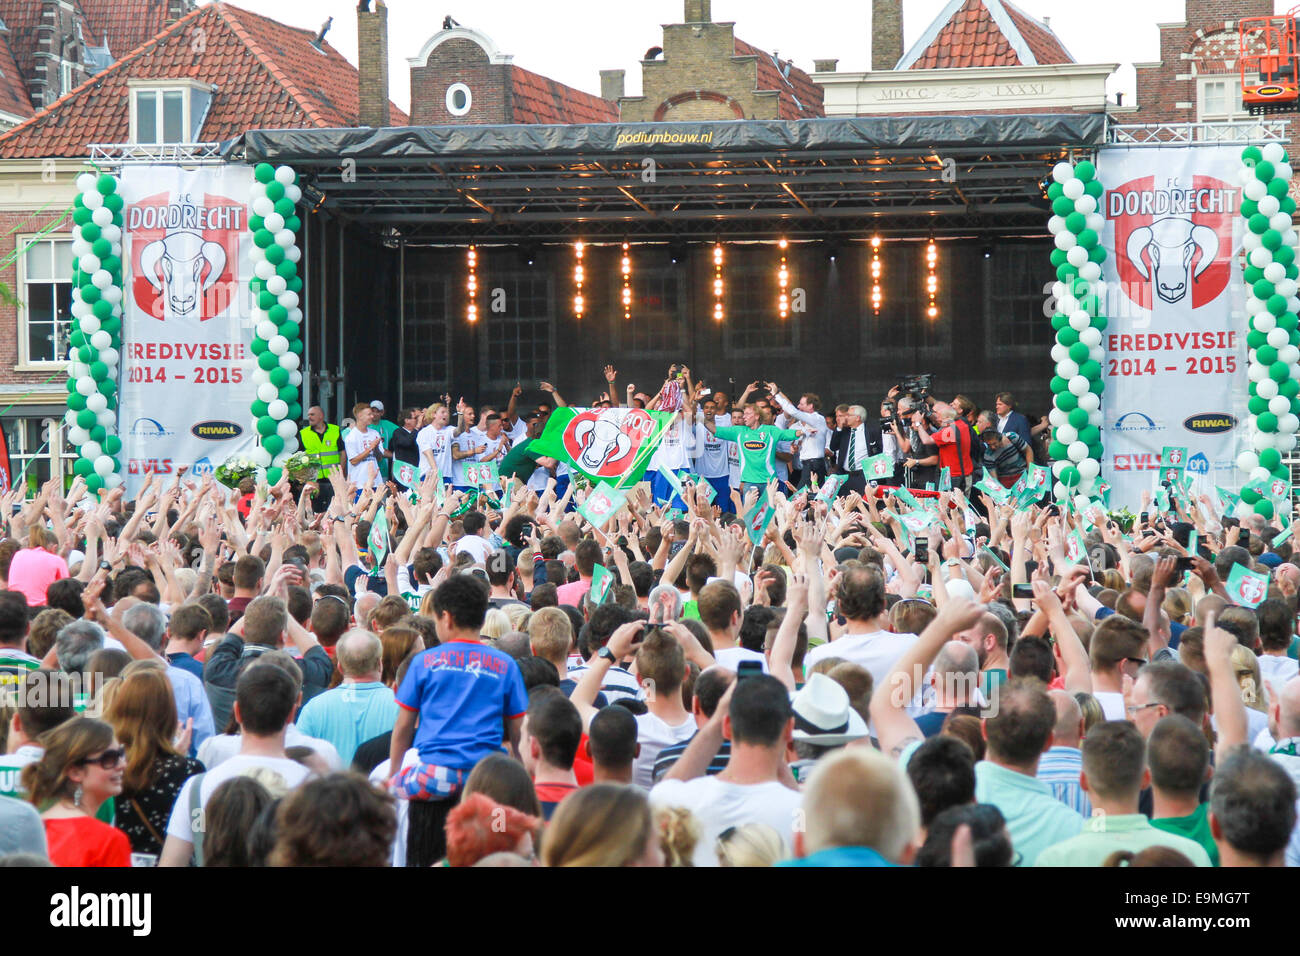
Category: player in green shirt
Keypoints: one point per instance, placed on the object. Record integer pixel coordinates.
(757, 444)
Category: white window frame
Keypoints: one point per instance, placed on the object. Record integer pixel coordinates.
(66, 79)
(1233, 81)
(183, 85)
(451, 98)
(25, 362)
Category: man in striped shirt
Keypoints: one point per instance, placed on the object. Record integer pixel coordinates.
(1006, 454)
(709, 688)
(1059, 766)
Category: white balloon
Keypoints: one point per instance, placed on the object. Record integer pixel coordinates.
(1288, 354)
(1094, 418)
(1274, 272)
(1279, 405)
(1079, 385)
(293, 193)
(103, 216)
(260, 375)
(78, 370)
(1066, 433)
(293, 254)
(77, 435)
(264, 270)
(269, 393)
(1088, 468)
(91, 450)
(1085, 204)
(291, 443)
(260, 315)
(1257, 372)
(1287, 288)
(1278, 337)
(97, 403)
(1080, 320)
(1280, 221)
(295, 314)
(1096, 353)
(113, 233)
(1259, 474)
(1057, 417)
(1096, 221)
(1292, 304)
(112, 481)
(1285, 443)
(1077, 451)
(1251, 242)
(1269, 206)
(1063, 172)
(103, 465)
(86, 385)
(288, 299)
(258, 190)
(1288, 423)
(1060, 491)
(1090, 402)
(101, 340)
(263, 207)
(1056, 224)
(274, 222)
(1059, 352)
(286, 428)
(277, 409)
(277, 344)
(79, 246)
(1254, 305)
(285, 238)
(260, 456)
(1090, 337)
(1090, 271)
(1073, 189)
(1255, 190)
(1077, 256)
(265, 330)
(276, 284)
(284, 175)
(1067, 303)
(289, 361)
(1261, 440)
(93, 200)
(79, 309)
(1067, 369)
(295, 378)
(86, 183)
(106, 418)
(1248, 461)
(1264, 321)
(90, 263)
(102, 279)
(1273, 152)
(1282, 171)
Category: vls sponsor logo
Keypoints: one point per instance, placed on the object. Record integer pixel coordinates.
(1143, 462)
(1211, 423)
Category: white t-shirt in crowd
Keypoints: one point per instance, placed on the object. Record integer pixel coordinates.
(717, 805)
(477, 547)
(877, 651)
(730, 657)
(379, 777)
(365, 473)
(518, 433)
(438, 442)
(654, 735)
(710, 454)
(291, 774)
(1112, 704)
(217, 750)
(672, 452)
(1277, 670)
(466, 441)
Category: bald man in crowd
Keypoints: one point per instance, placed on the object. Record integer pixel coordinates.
(360, 708)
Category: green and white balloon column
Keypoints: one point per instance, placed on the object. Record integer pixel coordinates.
(277, 315)
(1076, 224)
(96, 334)
(1270, 275)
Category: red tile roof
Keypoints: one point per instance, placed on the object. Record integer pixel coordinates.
(539, 99)
(14, 98)
(22, 18)
(971, 36)
(800, 98)
(122, 25)
(267, 75)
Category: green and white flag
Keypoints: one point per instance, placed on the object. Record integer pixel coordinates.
(613, 444)
(945, 479)
(602, 579)
(481, 474)
(878, 467)
(1173, 457)
(906, 497)
(702, 485)
(1076, 549)
(994, 489)
(602, 503)
(758, 518)
(916, 521)
(1277, 538)
(831, 488)
(1246, 588)
(1037, 478)
(405, 474)
(377, 542)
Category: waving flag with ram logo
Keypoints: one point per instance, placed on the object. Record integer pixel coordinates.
(613, 445)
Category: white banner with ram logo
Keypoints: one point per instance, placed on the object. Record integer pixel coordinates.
(186, 368)
(1175, 364)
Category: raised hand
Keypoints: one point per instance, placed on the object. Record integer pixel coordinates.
(610, 374)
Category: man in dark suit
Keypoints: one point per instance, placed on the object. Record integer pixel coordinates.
(861, 440)
(1010, 420)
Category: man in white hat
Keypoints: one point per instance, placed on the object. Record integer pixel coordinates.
(824, 721)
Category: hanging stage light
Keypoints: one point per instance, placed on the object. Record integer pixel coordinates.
(877, 296)
(931, 280)
(717, 282)
(471, 284)
(783, 280)
(579, 276)
(627, 282)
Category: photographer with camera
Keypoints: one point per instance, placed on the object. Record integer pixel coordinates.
(920, 455)
(955, 440)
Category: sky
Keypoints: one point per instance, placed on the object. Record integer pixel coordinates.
(572, 41)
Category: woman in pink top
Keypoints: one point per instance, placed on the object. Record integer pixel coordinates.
(37, 566)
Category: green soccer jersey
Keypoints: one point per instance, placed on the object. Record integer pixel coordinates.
(757, 449)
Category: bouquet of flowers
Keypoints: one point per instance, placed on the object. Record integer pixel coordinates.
(234, 470)
(300, 467)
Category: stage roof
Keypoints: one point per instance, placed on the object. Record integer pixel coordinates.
(901, 175)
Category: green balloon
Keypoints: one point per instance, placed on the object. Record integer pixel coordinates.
(1098, 253)
(1255, 339)
(1090, 435)
(266, 425)
(1076, 222)
(1085, 171)
(1277, 188)
(107, 387)
(263, 238)
(1271, 240)
(274, 191)
(112, 263)
(266, 300)
(1256, 406)
(1248, 208)
(86, 418)
(1289, 321)
(77, 338)
(1060, 322)
(106, 184)
(256, 222)
(1090, 370)
(1258, 224)
(1097, 386)
(90, 232)
(274, 255)
(83, 467)
(277, 314)
(1266, 354)
(284, 206)
(112, 444)
(1079, 352)
(90, 293)
(295, 346)
(1264, 508)
(1055, 190)
(1290, 388)
(1066, 272)
(1058, 385)
(112, 325)
(87, 354)
(115, 203)
(289, 330)
(76, 401)
(1089, 238)
(1250, 495)
(1095, 451)
(81, 215)
(1069, 476)
(1068, 336)
(256, 285)
(98, 371)
(1094, 188)
(102, 310)
(1057, 450)
(257, 346)
(1262, 289)
(1059, 257)
(98, 434)
(1066, 401)
(279, 377)
(1287, 204)
(1251, 155)
(287, 394)
(273, 444)
(275, 473)
(1276, 304)
(286, 270)
(1266, 422)
(264, 173)
(295, 411)
(1270, 458)
(295, 284)
(1078, 417)
(1250, 275)
(293, 223)
(94, 483)
(102, 248)
(1264, 170)
(258, 408)
(268, 361)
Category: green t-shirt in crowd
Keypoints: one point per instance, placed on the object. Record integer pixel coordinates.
(1194, 826)
(757, 449)
(385, 429)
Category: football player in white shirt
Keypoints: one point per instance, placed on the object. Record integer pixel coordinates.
(434, 441)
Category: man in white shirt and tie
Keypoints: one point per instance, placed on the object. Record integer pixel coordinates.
(812, 429)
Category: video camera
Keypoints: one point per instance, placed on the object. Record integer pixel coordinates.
(917, 388)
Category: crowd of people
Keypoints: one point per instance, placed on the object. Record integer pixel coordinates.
(420, 670)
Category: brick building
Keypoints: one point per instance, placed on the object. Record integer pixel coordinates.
(459, 77)
(704, 72)
(204, 77)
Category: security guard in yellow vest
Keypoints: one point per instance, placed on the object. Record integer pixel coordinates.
(325, 442)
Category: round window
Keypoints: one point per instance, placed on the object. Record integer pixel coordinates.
(459, 99)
